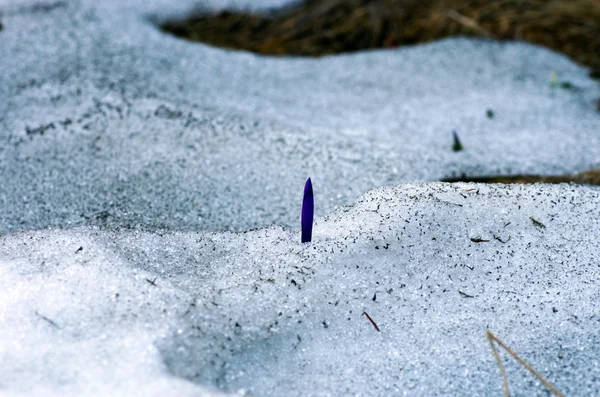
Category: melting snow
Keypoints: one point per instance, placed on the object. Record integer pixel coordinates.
(150, 202)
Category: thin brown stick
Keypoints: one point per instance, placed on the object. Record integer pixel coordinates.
(492, 338)
(372, 322)
(468, 22)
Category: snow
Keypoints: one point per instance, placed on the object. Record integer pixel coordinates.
(150, 201)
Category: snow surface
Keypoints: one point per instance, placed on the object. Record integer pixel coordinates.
(149, 200)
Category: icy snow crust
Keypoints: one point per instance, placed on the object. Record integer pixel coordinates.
(128, 159)
(260, 312)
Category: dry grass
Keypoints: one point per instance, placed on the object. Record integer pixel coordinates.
(591, 177)
(320, 27)
(493, 339)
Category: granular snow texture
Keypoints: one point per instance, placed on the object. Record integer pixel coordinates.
(150, 200)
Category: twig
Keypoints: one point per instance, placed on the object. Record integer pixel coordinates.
(468, 22)
(537, 223)
(502, 241)
(48, 320)
(492, 338)
(372, 322)
(153, 282)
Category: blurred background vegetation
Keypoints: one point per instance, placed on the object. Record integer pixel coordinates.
(321, 27)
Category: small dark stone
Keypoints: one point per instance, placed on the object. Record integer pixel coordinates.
(567, 85)
(456, 143)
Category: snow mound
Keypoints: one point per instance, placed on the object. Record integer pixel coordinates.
(434, 265)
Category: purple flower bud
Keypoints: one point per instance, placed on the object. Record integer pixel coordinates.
(308, 212)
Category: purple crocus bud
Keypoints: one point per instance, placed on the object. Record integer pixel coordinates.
(308, 212)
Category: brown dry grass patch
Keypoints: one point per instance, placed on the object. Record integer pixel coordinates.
(322, 27)
(591, 177)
